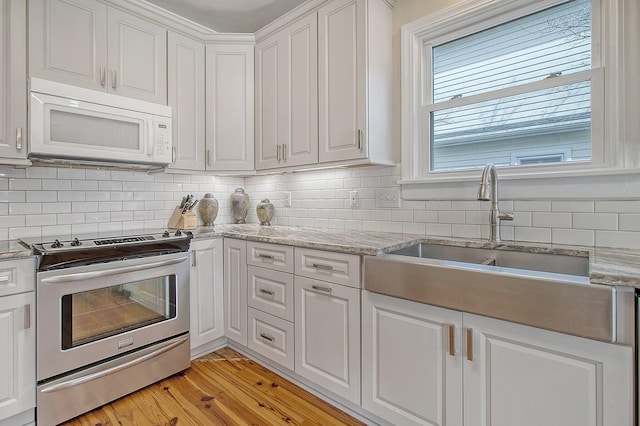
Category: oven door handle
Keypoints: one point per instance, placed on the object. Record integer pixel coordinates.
(89, 377)
(81, 276)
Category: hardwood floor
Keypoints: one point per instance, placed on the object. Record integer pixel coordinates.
(222, 388)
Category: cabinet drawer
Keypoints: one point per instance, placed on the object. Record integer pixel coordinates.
(272, 337)
(272, 256)
(17, 276)
(271, 292)
(339, 268)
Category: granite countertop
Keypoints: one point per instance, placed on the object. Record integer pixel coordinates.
(606, 266)
(617, 267)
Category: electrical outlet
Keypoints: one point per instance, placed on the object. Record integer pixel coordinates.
(287, 198)
(388, 198)
(353, 198)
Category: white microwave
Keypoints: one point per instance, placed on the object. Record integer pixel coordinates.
(72, 123)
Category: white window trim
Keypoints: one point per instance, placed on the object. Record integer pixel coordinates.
(615, 118)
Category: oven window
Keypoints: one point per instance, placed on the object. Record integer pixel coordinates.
(96, 314)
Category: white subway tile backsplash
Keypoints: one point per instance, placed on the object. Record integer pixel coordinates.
(41, 173)
(451, 216)
(551, 220)
(56, 207)
(402, 215)
(532, 206)
(41, 196)
(25, 208)
(12, 196)
(617, 206)
(438, 229)
(629, 222)
(413, 228)
(532, 235)
(25, 184)
(83, 207)
(425, 216)
(72, 174)
(70, 218)
(72, 196)
(466, 231)
(56, 185)
(605, 221)
(579, 237)
(573, 206)
(619, 239)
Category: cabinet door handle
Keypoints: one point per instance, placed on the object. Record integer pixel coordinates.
(19, 138)
(103, 76)
(321, 266)
(173, 154)
(452, 339)
(266, 256)
(267, 337)
(284, 152)
(114, 78)
(27, 316)
(194, 262)
(321, 288)
(208, 157)
(267, 292)
(359, 140)
(278, 153)
(469, 344)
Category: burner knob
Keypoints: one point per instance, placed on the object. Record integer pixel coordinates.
(165, 234)
(178, 233)
(76, 242)
(57, 244)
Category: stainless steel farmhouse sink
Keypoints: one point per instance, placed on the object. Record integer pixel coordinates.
(545, 290)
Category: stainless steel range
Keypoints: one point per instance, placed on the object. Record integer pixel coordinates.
(113, 317)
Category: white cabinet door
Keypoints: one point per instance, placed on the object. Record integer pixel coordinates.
(327, 336)
(186, 96)
(341, 80)
(88, 44)
(68, 42)
(137, 57)
(411, 362)
(206, 291)
(235, 290)
(229, 107)
(17, 354)
(287, 97)
(13, 82)
(525, 376)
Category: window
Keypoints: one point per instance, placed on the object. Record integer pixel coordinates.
(545, 89)
(521, 84)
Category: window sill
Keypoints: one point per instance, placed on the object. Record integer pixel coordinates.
(583, 184)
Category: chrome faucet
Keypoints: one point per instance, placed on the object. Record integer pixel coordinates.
(490, 179)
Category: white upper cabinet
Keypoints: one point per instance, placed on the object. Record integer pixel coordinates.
(85, 43)
(13, 79)
(287, 96)
(229, 107)
(354, 81)
(186, 85)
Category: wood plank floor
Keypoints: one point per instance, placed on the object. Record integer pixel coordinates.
(222, 388)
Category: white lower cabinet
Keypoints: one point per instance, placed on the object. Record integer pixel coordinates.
(206, 292)
(235, 290)
(327, 336)
(17, 339)
(417, 371)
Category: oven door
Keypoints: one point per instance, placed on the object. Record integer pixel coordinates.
(92, 313)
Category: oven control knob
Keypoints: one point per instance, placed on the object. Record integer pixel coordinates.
(76, 242)
(165, 234)
(178, 233)
(57, 244)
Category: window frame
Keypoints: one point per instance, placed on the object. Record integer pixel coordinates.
(471, 16)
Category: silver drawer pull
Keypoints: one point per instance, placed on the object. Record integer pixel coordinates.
(321, 266)
(267, 337)
(321, 288)
(266, 256)
(27, 316)
(264, 291)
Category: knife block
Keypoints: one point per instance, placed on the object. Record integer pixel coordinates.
(179, 220)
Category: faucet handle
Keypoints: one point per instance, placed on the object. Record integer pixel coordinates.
(505, 216)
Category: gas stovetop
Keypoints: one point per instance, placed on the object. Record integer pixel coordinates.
(64, 252)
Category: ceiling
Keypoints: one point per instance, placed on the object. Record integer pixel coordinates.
(229, 16)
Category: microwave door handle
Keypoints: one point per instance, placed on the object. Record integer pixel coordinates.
(150, 137)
